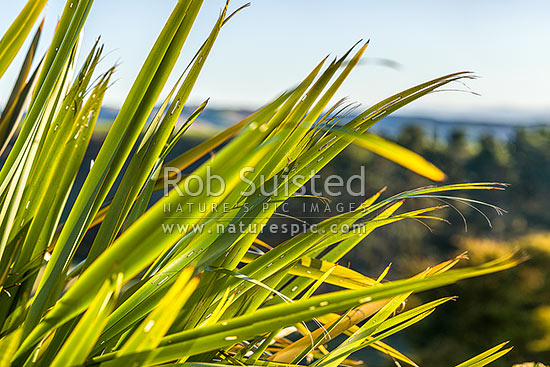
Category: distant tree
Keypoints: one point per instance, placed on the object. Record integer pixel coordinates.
(413, 137)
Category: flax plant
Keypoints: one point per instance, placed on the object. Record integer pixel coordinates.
(145, 296)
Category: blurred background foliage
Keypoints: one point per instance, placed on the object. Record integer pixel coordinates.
(511, 306)
(452, 334)
(523, 161)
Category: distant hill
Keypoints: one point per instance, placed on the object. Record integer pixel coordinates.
(217, 118)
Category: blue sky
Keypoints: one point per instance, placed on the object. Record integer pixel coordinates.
(273, 44)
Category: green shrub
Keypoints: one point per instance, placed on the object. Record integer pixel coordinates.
(523, 293)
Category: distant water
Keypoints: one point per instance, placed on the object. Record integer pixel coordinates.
(500, 128)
